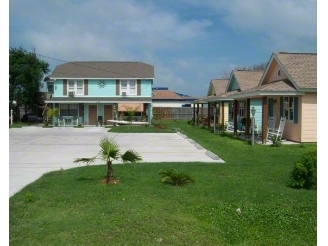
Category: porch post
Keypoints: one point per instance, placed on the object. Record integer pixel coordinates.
(208, 114)
(197, 114)
(235, 109)
(265, 116)
(222, 113)
(194, 111)
(248, 117)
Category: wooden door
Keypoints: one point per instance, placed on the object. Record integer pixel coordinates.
(108, 113)
(92, 114)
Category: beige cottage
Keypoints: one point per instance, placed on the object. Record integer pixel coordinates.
(288, 88)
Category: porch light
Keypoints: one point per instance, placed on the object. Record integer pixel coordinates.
(253, 111)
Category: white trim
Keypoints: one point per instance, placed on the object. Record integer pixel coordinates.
(106, 78)
(268, 93)
(88, 102)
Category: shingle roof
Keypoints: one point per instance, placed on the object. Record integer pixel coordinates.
(103, 69)
(248, 78)
(219, 85)
(277, 86)
(302, 67)
(169, 95)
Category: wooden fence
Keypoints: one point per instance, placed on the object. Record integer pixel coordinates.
(178, 113)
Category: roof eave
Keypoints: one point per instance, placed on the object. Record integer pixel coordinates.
(266, 93)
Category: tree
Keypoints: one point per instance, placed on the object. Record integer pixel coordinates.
(25, 74)
(258, 67)
(110, 151)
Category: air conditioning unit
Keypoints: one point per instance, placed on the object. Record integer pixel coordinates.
(71, 93)
(123, 93)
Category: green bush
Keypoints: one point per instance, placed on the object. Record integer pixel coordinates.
(276, 141)
(304, 173)
(175, 178)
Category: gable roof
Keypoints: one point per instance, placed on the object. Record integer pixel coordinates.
(170, 95)
(219, 86)
(301, 68)
(103, 69)
(247, 79)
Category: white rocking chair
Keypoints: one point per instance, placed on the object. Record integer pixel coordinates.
(61, 120)
(276, 132)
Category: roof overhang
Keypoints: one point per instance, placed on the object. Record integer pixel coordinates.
(266, 93)
(99, 100)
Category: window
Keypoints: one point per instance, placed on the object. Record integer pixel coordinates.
(289, 108)
(129, 87)
(51, 88)
(68, 109)
(241, 108)
(76, 86)
(279, 73)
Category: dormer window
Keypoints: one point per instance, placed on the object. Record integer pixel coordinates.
(279, 73)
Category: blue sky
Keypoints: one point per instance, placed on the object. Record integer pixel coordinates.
(189, 42)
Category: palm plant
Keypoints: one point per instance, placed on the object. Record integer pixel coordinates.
(175, 178)
(110, 151)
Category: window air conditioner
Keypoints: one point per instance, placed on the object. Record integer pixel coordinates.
(123, 93)
(71, 93)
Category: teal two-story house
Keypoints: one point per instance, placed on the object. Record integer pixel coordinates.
(98, 91)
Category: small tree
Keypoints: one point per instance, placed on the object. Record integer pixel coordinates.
(49, 112)
(110, 151)
(131, 112)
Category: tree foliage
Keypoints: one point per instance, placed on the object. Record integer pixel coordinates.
(25, 74)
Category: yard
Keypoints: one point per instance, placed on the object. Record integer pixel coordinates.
(245, 201)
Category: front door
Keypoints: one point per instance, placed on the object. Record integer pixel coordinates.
(92, 114)
(108, 112)
(270, 105)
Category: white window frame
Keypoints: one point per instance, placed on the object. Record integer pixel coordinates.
(130, 88)
(75, 87)
(288, 109)
(241, 108)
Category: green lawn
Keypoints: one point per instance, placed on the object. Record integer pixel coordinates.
(72, 207)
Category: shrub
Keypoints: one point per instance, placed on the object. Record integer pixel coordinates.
(175, 178)
(304, 173)
(276, 141)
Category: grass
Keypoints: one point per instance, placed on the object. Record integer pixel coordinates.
(139, 129)
(72, 207)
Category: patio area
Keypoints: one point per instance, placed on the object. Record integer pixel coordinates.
(258, 140)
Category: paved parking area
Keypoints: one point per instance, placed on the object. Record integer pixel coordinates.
(34, 151)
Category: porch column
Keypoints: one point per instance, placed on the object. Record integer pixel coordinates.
(208, 114)
(248, 117)
(194, 111)
(235, 109)
(222, 113)
(197, 114)
(265, 115)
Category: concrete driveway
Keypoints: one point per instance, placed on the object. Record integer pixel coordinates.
(34, 151)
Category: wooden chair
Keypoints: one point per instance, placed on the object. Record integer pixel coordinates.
(61, 120)
(75, 121)
(277, 132)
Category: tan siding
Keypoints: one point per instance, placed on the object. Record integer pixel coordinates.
(309, 117)
(292, 131)
(226, 111)
(274, 75)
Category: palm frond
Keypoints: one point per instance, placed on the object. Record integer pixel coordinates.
(109, 149)
(85, 160)
(131, 156)
(176, 178)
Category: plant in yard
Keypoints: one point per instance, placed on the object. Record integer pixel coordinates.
(276, 141)
(110, 151)
(175, 178)
(29, 196)
(304, 173)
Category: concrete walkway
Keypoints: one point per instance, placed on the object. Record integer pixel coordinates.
(34, 151)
